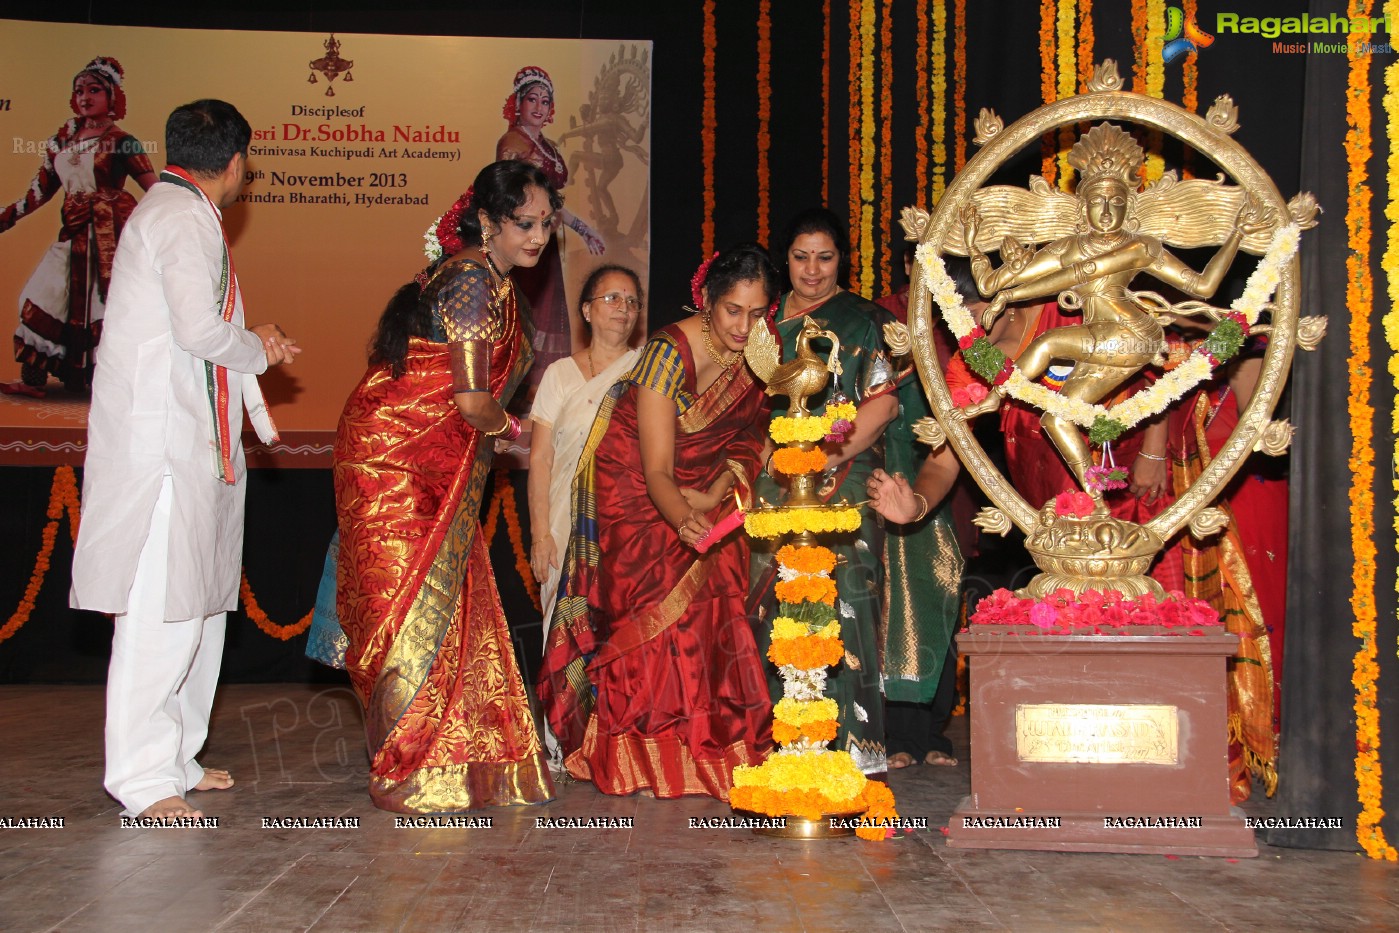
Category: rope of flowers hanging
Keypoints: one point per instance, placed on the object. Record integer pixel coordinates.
(1066, 82)
(959, 81)
(708, 124)
(1360, 305)
(1048, 86)
(867, 152)
(63, 496)
(825, 102)
(886, 138)
(939, 100)
(852, 128)
(920, 96)
(764, 118)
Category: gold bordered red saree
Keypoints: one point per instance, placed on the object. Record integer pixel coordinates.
(446, 716)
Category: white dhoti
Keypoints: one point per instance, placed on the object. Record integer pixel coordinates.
(160, 686)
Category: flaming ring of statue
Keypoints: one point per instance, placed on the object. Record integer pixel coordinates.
(1088, 247)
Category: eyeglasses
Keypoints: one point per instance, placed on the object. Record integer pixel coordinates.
(614, 300)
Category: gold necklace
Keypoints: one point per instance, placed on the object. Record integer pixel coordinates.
(592, 366)
(713, 353)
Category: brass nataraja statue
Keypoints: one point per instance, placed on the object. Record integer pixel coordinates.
(1095, 244)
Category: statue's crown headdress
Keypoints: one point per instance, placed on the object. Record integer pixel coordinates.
(1104, 153)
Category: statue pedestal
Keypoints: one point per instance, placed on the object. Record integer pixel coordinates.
(1098, 743)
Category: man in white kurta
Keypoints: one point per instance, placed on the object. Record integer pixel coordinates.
(161, 540)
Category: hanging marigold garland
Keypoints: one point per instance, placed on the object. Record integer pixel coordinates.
(1066, 81)
(63, 496)
(1190, 93)
(920, 92)
(708, 124)
(1139, 46)
(825, 103)
(886, 139)
(1048, 86)
(853, 140)
(867, 150)
(259, 618)
(959, 82)
(1155, 165)
(1086, 38)
(939, 99)
(764, 115)
(1360, 305)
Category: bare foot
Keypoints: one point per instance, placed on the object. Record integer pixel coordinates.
(170, 808)
(940, 758)
(900, 760)
(215, 779)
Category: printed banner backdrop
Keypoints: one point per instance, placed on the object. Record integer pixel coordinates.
(344, 178)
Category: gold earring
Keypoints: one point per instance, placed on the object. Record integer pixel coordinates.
(485, 242)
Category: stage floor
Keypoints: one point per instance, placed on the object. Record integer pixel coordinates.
(297, 751)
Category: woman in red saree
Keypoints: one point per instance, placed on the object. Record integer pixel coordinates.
(426, 645)
(658, 629)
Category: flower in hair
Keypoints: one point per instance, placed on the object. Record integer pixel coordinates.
(443, 238)
(697, 281)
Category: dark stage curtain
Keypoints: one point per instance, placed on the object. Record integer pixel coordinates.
(1317, 755)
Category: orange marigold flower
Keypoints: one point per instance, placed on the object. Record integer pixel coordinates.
(807, 589)
(806, 653)
(794, 461)
(807, 559)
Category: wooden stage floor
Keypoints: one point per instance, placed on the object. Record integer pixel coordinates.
(297, 751)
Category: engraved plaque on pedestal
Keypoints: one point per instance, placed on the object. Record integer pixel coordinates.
(1097, 733)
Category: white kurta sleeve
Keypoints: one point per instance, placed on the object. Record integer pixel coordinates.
(182, 250)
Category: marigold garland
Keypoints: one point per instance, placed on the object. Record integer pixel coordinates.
(788, 627)
(1155, 164)
(811, 733)
(1190, 92)
(259, 618)
(867, 247)
(853, 140)
(806, 653)
(1139, 29)
(959, 81)
(920, 96)
(764, 115)
(1086, 39)
(807, 588)
(939, 100)
(505, 503)
(63, 495)
(813, 428)
(826, 102)
(708, 125)
(794, 461)
(886, 136)
(1048, 85)
(806, 559)
(1360, 304)
(774, 523)
(1066, 77)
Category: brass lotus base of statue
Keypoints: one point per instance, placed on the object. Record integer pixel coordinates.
(1094, 552)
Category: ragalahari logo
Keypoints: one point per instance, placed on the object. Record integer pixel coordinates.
(1182, 35)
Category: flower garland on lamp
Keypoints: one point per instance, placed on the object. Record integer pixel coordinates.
(959, 81)
(1360, 305)
(1105, 423)
(708, 123)
(1048, 85)
(803, 777)
(63, 496)
(764, 116)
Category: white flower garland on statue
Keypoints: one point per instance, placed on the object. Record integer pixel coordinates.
(1258, 292)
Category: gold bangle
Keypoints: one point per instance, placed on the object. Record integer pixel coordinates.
(923, 513)
(504, 426)
(1143, 453)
